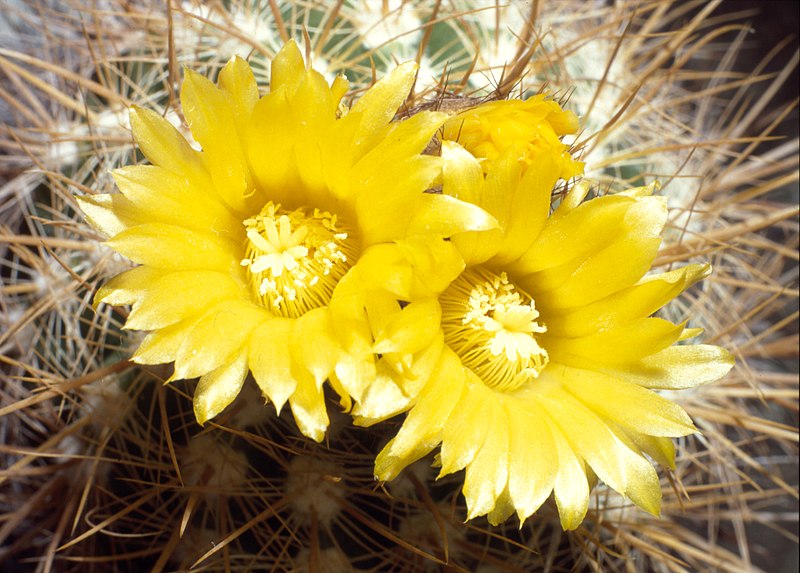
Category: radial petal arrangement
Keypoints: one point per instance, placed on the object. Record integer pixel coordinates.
(242, 245)
(424, 266)
(551, 357)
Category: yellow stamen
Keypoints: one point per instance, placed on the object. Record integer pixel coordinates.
(296, 258)
(491, 325)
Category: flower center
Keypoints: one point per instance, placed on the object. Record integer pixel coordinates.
(296, 258)
(491, 325)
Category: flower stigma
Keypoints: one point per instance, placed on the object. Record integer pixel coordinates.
(491, 325)
(296, 258)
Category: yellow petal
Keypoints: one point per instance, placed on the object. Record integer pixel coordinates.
(503, 508)
(533, 458)
(314, 111)
(574, 197)
(208, 112)
(382, 398)
(308, 406)
(220, 333)
(161, 346)
(339, 88)
(127, 287)
(501, 187)
(381, 307)
(571, 487)
(625, 403)
(591, 280)
(421, 431)
(588, 436)
(270, 360)
(477, 247)
(313, 345)
(337, 154)
(110, 214)
(445, 216)
(465, 431)
(382, 209)
(642, 191)
(487, 474)
(385, 266)
(677, 367)
(403, 139)
(162, 195)
(462, 178)
(219, 388)
(411, 329)
(435, 263)
(625, 343)
(689, 333)
(287, 67)
(412, 268)
(397, 381)
(422, 365)
(575, 234)
(462, 175)
(662, 450)
(347, 308)
(169, 247)
(643, 487)
(354, 372)
(163, 145)
(528, 207)
(638, 301)
(269, 143)
(345, 400)
(180, 295)
(237, 80)
(380, 102)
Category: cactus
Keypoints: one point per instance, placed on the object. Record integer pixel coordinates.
(104, 467)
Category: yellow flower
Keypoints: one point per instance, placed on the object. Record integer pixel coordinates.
(550, 356)
(532, 126)
(242, 245)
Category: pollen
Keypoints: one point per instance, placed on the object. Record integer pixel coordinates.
(492, 325)
(296, 258)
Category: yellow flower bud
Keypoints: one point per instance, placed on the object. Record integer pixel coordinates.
(533, 127)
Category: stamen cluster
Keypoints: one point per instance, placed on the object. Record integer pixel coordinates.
(296, 258)
(491, 324)
(299, 246)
